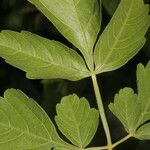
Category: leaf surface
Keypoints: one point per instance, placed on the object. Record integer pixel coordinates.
(143, 132)
(126, 108)
(78, 20)
(134, 110)
(76, 120)
(24, 125)
(123, 36)
(41, 58)
(143, 80)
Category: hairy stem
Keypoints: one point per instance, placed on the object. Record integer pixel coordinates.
(102, 111)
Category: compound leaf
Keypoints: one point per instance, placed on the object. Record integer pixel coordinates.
(41, 58)
(24, 125)
(123, 36)
(76, 120)
(134, 110)
(78, 20)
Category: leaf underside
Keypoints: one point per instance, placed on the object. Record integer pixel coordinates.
(133, 110)
(76, 120)
(41, 58)
(24, 125)
(78, 20)
(123, 36)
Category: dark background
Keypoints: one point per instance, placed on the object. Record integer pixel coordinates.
(21, 15)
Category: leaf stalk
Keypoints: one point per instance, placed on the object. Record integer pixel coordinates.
(122, 140)
(113, 145)
(102, 111)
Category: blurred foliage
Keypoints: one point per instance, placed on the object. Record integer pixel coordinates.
(21, 15)
(110, 5)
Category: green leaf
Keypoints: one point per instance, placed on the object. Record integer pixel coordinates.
(126, 108)
(143, 133)
(143, 80)
(110, 5)
(123, 37)
(24, 125)
(60, 148)
(78, 21)
(76, 120)
(41, 58)
(134, 110)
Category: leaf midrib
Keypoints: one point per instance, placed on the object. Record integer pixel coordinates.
(81, 30)
(47, 62)
(76, 124)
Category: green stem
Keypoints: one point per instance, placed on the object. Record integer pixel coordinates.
(113, 145)
(121, 141)
(101, 111)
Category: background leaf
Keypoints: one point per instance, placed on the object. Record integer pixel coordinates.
(24, 125)
(78, 20)
(123, 36)
(134, 110)
(76, 120)
(40, 57)
(110, 5)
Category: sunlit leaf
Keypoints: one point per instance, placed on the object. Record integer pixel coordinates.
(123, 37)
(24, 125)
(41, 58)
(78, 20)
(143, 132)
(143, 81)
(76, 120)
(126, 108)
(134, 110)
